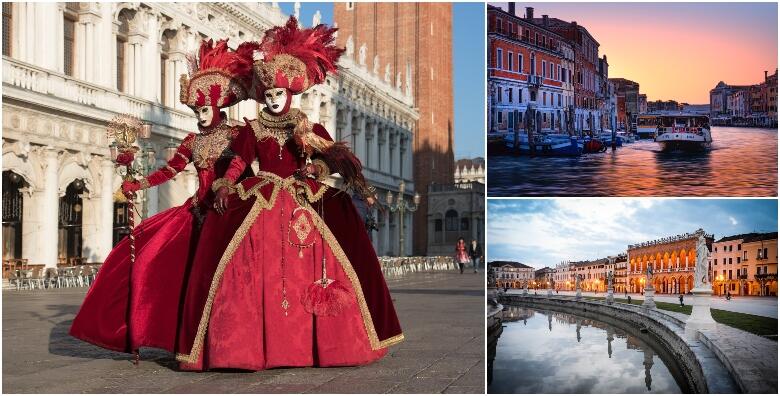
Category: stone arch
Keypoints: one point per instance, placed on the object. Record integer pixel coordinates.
(20, 164)
(665, 263)
(72, 170)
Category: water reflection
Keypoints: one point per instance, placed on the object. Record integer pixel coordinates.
(542, 351)
(742, 162)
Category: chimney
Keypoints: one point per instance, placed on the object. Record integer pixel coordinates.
(512, 8)
(544, 20)
(766, 74)
(529, 12)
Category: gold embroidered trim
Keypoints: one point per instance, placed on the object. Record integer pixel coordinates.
(172, 169)
(318, 143)
(207, 148)
(259, 205)
(203, 81)
(184, 157)
(290, 66)
(292, 185)
(281, 135)
(145, 183)
(222, 182)
(289, 119)
(323, 170)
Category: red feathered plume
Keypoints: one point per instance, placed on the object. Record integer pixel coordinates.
(237, 63)
(314, 47)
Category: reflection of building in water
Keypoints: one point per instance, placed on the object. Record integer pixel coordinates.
(610, 337)
(672, 259)
(514, 314)
(648, 363)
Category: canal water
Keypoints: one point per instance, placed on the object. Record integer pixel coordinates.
(542, 351)
(741, 162)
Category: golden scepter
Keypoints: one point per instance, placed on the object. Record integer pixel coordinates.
(125, 130)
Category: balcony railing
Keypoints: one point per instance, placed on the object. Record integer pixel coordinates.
(46, 82)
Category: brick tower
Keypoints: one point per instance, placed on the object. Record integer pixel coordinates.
(415, 40)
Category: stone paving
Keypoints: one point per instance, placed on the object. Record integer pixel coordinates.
(442, 314)
(761, 306)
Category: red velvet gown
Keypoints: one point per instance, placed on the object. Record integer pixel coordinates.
(140, 305)
(252, 314)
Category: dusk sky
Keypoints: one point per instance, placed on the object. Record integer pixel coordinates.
(468, 30)
(677, 51)
(544, 232)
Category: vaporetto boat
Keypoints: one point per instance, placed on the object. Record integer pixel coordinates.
(683, 132)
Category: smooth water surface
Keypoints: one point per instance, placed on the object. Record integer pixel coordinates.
(543, 351)
(741, 162)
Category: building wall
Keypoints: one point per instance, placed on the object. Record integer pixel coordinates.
(735, 264)
(410, 44)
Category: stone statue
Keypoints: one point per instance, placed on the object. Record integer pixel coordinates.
(609, 279)
(376, 65)
(649, 271)
(577, 281)
(350, 46)
(315, 20)
(387, 73)
(398, 80)
(362, 54)
(700, 271)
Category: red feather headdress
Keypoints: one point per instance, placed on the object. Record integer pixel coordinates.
(219, 76)
(295, 58)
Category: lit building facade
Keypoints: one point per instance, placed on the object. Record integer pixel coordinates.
(512, 274)
(745, 264)
(69, 68)
(672, 259)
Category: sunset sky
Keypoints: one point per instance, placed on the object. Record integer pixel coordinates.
(677, 51)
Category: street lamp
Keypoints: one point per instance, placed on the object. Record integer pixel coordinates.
(401, 205)
(719, 282)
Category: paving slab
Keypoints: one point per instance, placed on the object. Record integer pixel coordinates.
(442, 315)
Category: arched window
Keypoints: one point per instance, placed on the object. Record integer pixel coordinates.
(451, 220)
(121, 50)
(464, 224)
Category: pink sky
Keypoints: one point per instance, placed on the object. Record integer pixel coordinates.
(677, 51)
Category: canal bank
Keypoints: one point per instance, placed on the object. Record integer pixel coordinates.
(703, 370)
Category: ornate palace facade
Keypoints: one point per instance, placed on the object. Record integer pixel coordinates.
(68, 68)
(672, 259)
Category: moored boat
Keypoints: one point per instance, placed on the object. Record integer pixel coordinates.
(544, 145)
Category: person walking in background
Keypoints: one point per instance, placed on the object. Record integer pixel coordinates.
(475, 252)
(461, 254)
(681, 300)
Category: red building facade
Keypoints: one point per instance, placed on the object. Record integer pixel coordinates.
(528, 67)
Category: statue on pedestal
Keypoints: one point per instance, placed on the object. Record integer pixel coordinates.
(700, 278)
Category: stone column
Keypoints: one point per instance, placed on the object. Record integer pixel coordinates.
(33, 219)
(106, 233)
(50, 209)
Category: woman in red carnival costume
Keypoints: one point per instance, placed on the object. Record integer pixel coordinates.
(299, 283)
(134, 305)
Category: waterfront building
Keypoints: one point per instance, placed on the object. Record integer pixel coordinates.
(542, 278)
(745, 264)
(470, 170)
(409, 45)
(673, 260)
(512, 274)
(620, 282)
(745, 105)
(663, 105)
(593, 272)
(68, 68)
(628, 94)
(586, 69)
(606, 96)
(771, 98)
(642, 104)
(529, 68)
